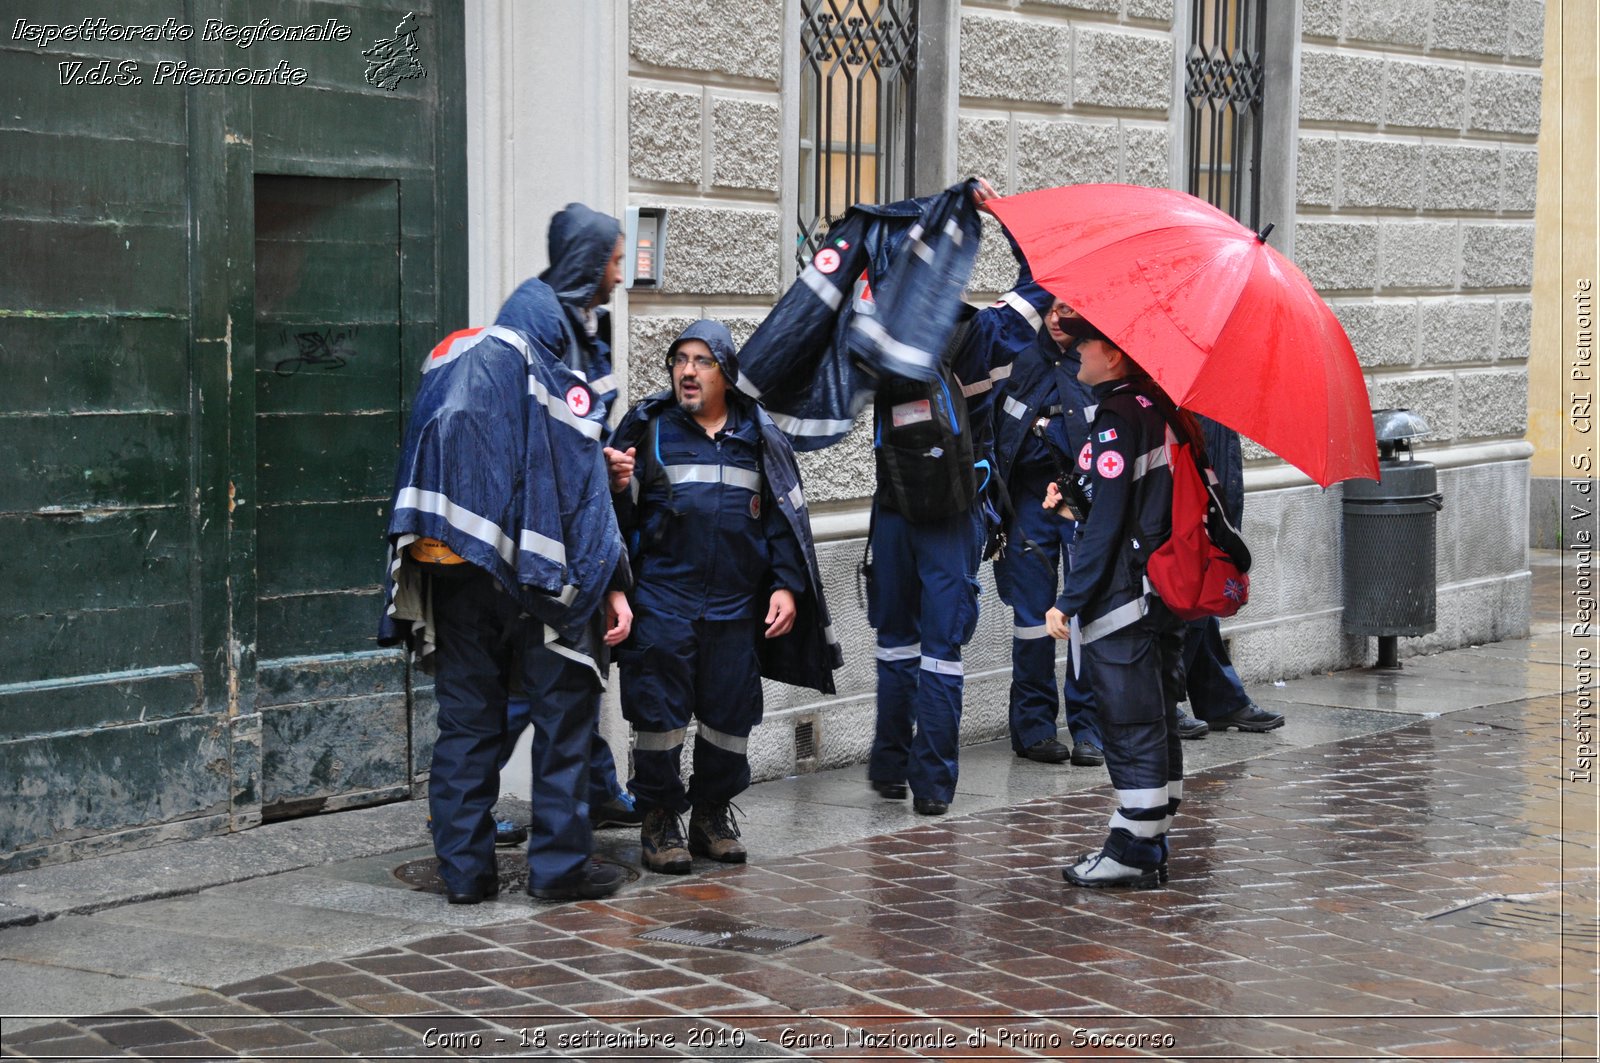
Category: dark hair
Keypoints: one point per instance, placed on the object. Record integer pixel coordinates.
(1182, 421)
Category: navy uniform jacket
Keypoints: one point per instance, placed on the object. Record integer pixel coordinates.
(808, 653)
(1043, 383)
(1131, 516)
(711, 542)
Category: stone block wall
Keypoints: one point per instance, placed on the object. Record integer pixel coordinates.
(1416, 165)
(1415, 192)
(1062, 93)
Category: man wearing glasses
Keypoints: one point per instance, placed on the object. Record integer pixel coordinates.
(709, 499)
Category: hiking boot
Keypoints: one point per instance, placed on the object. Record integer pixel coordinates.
(620, 811)
(1099, 871)
(661, 843)
(1190, 728)
(714, 835)
(894, 791)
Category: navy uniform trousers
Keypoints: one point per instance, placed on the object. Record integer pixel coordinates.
(673, 669)
(480, 630)
(1137, 677)
(924, 605)
(1034, 578)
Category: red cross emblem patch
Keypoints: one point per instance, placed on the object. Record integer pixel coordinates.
(827, 260)
(1110, 465)
(578, 400)
(1085, 456)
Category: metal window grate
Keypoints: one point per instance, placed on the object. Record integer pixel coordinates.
(805, 740)
(1225, 79)
(857, 73)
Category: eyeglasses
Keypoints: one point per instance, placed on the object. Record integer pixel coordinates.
(701, 361)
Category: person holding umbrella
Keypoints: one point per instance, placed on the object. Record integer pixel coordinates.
(1131, 644)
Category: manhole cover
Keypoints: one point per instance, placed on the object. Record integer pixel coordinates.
(1545, 921)
(512, 864)
(730, 935)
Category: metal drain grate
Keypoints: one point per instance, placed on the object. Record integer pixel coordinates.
(1543, 921)
(512, 865)
(730, 935)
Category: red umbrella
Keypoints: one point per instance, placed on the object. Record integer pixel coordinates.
(1225, 324)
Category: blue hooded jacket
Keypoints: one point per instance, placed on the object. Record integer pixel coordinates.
(502, 463)
(808, 655)
(581, 242)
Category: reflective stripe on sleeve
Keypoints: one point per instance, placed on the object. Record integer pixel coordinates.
(822, 287)
(1023, 307)
(463, 520)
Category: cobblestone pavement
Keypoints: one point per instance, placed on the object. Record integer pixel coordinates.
(1425, 890)
(1314, 911)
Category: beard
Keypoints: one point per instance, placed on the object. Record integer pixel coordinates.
(693, 403)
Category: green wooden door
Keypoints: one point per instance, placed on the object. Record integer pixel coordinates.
(213, 303)
(327, 392)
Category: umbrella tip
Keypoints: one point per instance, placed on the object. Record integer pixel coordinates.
(1264, 233)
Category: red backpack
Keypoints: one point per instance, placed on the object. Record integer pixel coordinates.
(1201, 570)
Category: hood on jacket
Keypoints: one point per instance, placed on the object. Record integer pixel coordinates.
(534, 311)
(581, 242)
(713, 334)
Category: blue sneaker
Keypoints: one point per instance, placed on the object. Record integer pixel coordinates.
(617, 812)
(508, 833)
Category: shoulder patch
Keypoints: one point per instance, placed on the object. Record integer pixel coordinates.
(755, 506)
(579, 400)
(827, 260)
(1110, 465)
(1108, 435)
(1144, 401)
(1086, 456)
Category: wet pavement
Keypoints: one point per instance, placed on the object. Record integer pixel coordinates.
(1408, 870)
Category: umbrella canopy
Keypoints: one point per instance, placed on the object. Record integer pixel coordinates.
(1225, 324)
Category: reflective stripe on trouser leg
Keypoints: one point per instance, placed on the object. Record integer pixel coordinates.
(1141, 813)
(657, 666)
(472, 619)
(1131, 674)
(565, 702)
(893, 609)
(727, 705)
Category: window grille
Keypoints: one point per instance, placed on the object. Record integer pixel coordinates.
(857, 72)
(1224, 74)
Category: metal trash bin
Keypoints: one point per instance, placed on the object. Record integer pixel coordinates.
(1390, 541)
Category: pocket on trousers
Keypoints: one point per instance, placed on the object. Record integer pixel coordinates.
(1125, 676)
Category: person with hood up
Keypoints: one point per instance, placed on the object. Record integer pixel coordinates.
(726, 589)
(585, 249)
(504, 547)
